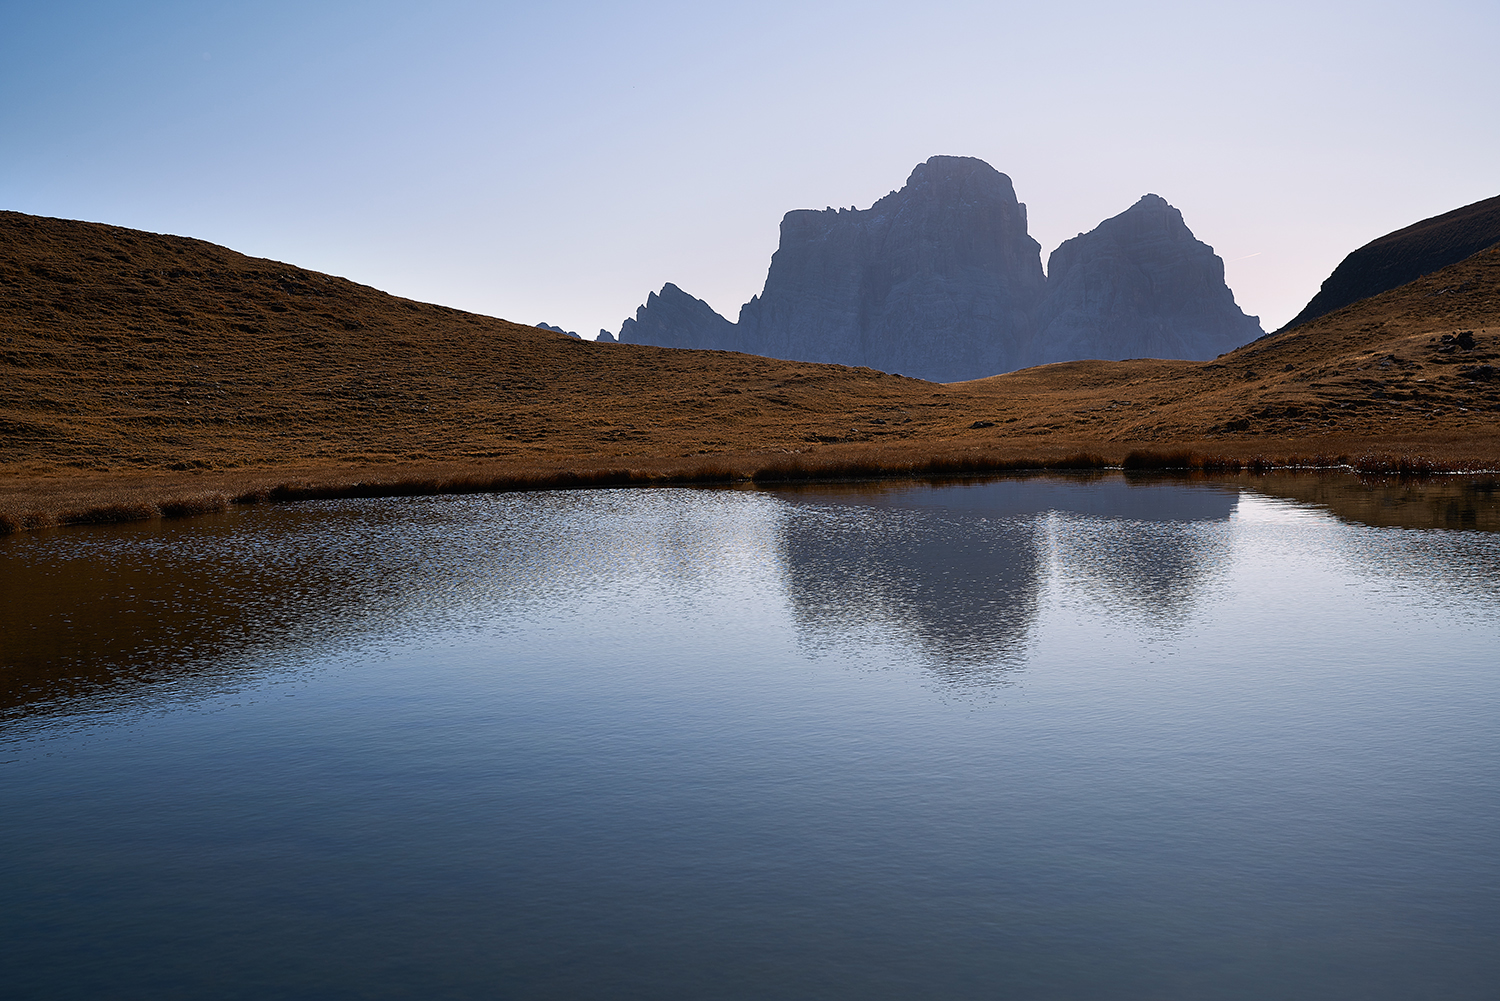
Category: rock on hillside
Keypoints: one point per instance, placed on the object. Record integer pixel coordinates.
(1139, 285)
(1406, 255)
(940, 280)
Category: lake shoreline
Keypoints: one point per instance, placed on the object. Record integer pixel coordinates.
(33, 499)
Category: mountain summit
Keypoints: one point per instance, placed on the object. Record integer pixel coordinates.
(1139, 285)
(941, 280)
(938, 279)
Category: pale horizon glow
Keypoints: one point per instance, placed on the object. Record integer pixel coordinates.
(558, 163)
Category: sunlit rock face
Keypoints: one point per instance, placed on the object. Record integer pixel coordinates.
(941, 280)
(1139, 285)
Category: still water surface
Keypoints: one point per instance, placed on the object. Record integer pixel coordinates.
(1029, 738)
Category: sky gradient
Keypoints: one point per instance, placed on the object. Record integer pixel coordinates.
(558, 163)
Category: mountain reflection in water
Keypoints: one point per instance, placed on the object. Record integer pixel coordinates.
(956, 572)
(952, 573)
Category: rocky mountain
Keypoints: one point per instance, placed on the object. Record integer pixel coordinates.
(674, 319)
(941, 280)
(1406, 255)
(1139, 285)
(937, 280)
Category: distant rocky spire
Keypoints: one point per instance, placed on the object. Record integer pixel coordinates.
(937, 280)
(674, 319)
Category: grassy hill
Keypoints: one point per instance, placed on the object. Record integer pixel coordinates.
(137, 368)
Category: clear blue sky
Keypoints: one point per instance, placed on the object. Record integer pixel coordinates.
(558, 161)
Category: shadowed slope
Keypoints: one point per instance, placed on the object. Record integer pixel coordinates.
(1406, 255)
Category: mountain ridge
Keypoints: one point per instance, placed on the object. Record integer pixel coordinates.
(940, 279)
(1139, 285)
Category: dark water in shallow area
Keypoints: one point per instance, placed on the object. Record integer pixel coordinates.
(1039, 738)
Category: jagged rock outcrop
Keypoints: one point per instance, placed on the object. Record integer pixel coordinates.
(1406, 255)
(674, 319)
(941, 280)
(1139, 285)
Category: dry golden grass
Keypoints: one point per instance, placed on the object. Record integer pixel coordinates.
(145, 376)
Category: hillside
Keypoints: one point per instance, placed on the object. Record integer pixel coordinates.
(137, 365)
(1406, 255)
(1415, 365)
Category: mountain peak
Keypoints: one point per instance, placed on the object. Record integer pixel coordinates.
(941, 280)
(1139, 285)
(963, 175)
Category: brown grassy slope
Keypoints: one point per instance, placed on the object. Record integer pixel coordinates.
(1412, 368)
(139, 365)
(127, 350)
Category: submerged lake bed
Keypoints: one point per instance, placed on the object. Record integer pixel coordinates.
(1052, 736)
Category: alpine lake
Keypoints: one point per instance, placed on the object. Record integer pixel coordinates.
(1107, 737)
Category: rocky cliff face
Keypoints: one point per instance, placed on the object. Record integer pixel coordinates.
(937, 280)
(1139, 285)
(675, 319)
(940, 280)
